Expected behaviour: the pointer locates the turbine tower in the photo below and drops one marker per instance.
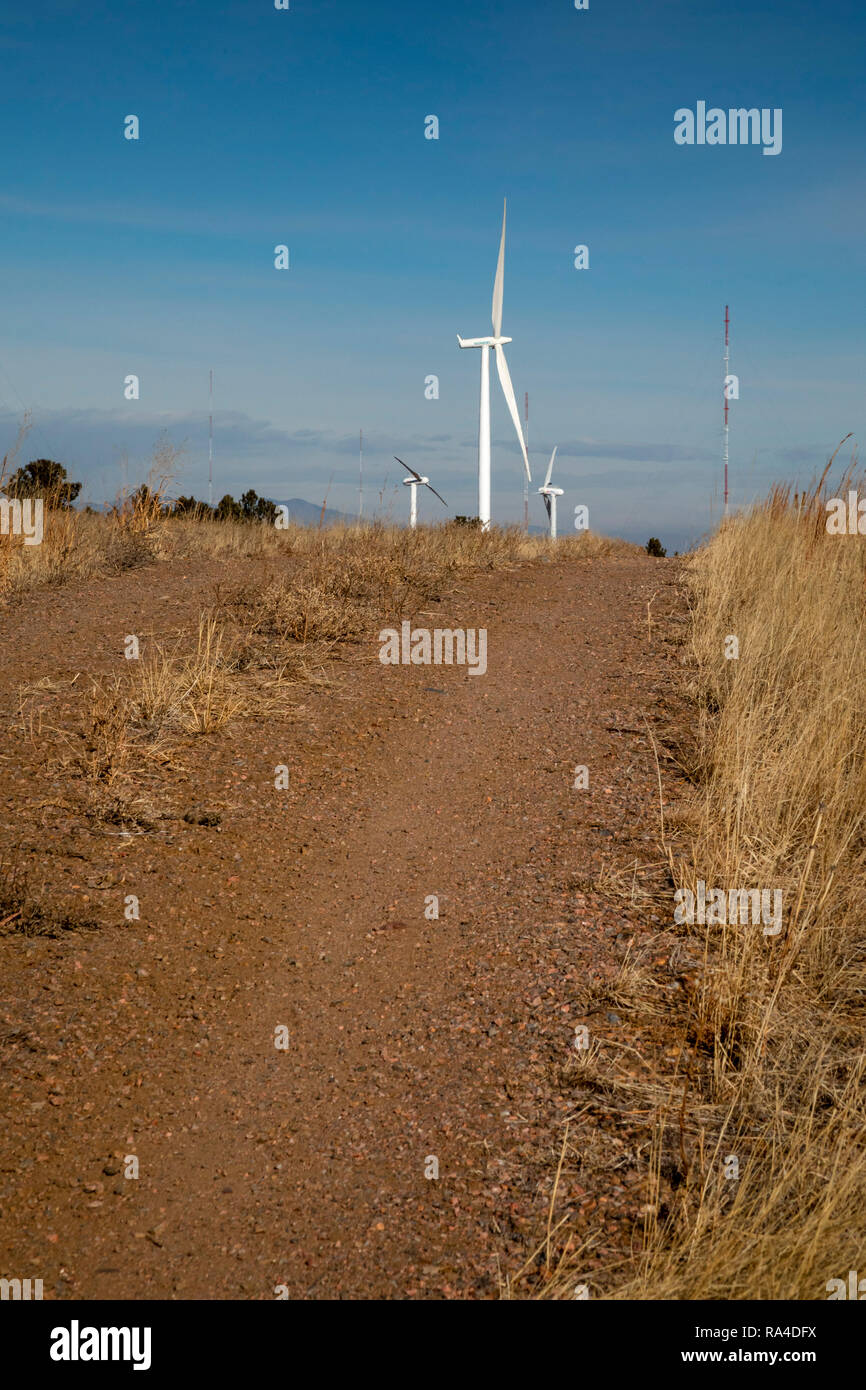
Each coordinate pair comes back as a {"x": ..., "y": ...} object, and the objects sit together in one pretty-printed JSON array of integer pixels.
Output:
[
  {"x": 413, "y": 484},
  {"x": 525, "y": 479},
  {"x": 550, "y": 495},
  {"x": 497, "y": 342}
]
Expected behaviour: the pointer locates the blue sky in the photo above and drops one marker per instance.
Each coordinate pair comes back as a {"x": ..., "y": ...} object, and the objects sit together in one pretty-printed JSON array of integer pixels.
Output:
[{"x": 306, "y": 127}]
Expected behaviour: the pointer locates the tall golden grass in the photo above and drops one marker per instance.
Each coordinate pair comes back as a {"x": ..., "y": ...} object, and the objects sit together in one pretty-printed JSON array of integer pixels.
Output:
[
  {"x": 778, "y": 1021},
  {"x": 755, "y": 1178},
  {"x": 772, "y": 1069}
]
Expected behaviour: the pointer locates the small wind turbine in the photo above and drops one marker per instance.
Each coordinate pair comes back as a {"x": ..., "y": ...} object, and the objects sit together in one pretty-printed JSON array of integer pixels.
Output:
[
  {"x": 413, "y": 484},
  {"x": 485, "y": 344},
  {"x": 550, "y": 495}
]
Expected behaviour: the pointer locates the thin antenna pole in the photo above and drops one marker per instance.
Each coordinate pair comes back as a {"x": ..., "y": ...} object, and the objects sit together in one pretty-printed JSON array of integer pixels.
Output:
[
  {"x": 525, "y": 479},
  {"x": 210, "y": 447},
  {"x": 725, "y": 435},
  {"x": 360, "y": 474}
]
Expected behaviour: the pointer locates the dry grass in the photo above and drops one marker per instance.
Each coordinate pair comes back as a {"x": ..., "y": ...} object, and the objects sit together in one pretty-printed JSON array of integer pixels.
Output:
[
  {"x": 347, "y": 579},
  {"x": 190, "y": 692},
  {"x": 316, "y": 592},
  {"x": 83, "y": 545},
  {"x": 772, "y": 1065},
  {"x": 133, "y": 720},
  {"x": 777, "y": 1021},
  {"x": 136, "y": 531}
]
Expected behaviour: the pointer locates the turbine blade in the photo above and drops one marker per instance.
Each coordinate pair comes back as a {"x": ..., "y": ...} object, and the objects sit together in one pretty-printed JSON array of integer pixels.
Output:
[
  {"x": 436, "y": 494},
  {"x": 546, "y": 503},
  {"x": 406, "y": 466},
  {"x": 508, "y": 392},
  {"x": 498, "y": 282},
  {"x": 550, "y": 466}
]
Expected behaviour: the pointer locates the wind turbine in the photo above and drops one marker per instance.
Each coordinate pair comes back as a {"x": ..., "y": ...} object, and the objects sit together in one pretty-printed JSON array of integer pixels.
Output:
[
  {"x": 496, "y": 342},
  {"x": 414, "y": 482},
  {"x": 550, "y": 495}
]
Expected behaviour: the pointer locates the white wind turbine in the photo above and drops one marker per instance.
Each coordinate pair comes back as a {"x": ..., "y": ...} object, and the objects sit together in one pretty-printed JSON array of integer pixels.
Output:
[
  {"x": 550, "y": 495},
  {"x": 413, "y": 484},
  {"x": 485, "y": 344}
]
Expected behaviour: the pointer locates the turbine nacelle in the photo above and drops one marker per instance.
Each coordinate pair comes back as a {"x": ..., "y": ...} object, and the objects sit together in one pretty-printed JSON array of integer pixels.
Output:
[
  {"x": 551, "y": 491},
  {"x": 482, "y": 342},
  {"x": 413, "y": 482}
]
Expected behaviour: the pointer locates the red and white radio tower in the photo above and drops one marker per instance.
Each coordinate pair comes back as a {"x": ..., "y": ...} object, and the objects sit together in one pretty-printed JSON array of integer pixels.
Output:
[{"x": 725, "y": 435}]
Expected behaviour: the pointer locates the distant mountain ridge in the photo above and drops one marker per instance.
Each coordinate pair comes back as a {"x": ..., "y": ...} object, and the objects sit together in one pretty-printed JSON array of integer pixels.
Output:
[{"x": 309, "y": 513}]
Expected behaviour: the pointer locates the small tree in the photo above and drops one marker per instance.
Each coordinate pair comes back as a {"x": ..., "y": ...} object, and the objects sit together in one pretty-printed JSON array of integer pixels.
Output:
[
  {"x": 255, "y": 508},
  {"x": 655, "y": 547},
  {"x": 43, "y": 478},
  {"x": 228, "y": 509},
  {"x": 248, "y": 504},
  {"x": 190, "y": 506}
]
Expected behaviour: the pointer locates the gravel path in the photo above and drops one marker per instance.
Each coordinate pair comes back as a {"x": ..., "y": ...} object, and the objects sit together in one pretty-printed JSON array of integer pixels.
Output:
[{"x": 411, "y": 1037}]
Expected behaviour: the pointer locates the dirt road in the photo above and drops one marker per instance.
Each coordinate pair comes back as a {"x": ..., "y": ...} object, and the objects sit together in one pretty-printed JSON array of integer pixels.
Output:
[{"x": 416, "y": 1044}]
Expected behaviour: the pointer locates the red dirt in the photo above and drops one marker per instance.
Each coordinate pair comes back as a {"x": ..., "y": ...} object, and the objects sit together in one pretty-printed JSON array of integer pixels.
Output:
[{"x": 408, "y": 1037}]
